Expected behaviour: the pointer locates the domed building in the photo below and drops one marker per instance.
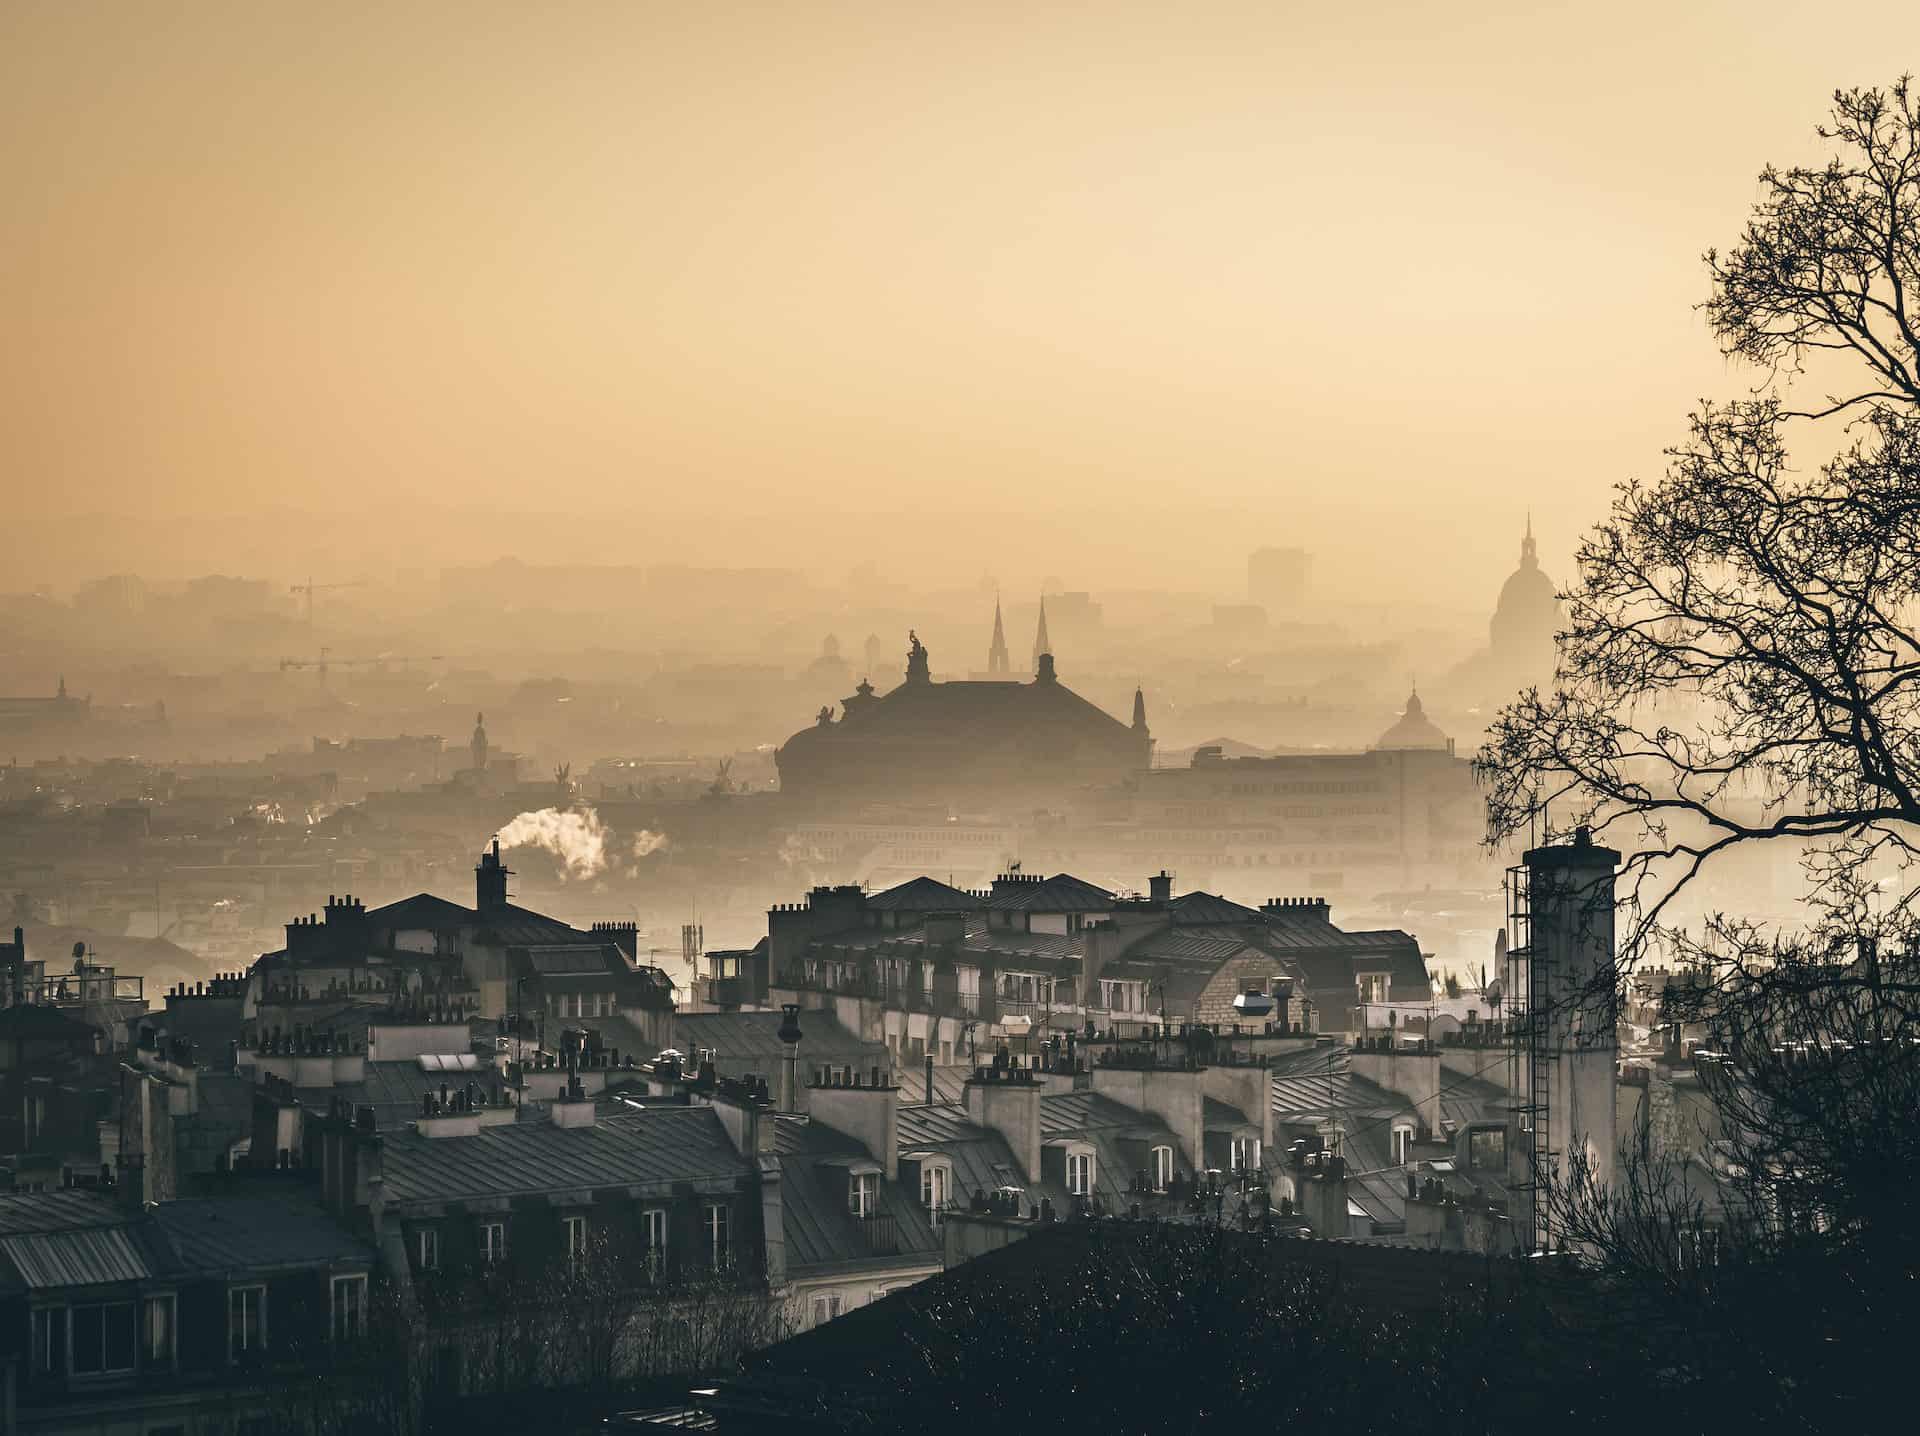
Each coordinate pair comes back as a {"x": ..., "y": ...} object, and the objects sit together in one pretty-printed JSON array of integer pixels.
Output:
[
  {"x": 1520, "y": 651},
  {"x": 1528, "y": 614},
  {"x": 962, "y": 742},
  {"x": 1414, "y": 731}
]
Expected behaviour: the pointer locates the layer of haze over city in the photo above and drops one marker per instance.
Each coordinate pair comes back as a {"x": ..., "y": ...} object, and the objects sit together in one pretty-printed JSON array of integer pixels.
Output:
[
  {"x": 982, "y": 294},
  {"x": 822, "y": 716}
]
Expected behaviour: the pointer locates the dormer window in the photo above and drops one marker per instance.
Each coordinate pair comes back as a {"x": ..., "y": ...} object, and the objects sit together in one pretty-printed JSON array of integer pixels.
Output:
[
  {"x": 1162, "y": 1168},
  {"x": 1373, "y": 988},
  {"x": 1402, "y": 1143},
  {"x": 1245, "y": 1153},
  {"x": 1080, "y": 1173},
  {"x": 863, "y": 1193}
]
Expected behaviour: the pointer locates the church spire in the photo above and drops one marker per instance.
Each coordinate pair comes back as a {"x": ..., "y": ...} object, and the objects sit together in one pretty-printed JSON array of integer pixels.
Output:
[
  {"x": 1139, "y": 711},
  {"x": 998, "y": 664},
  {"x": 1041, "y": 643},
  {"x": 1529, "y": 555}
]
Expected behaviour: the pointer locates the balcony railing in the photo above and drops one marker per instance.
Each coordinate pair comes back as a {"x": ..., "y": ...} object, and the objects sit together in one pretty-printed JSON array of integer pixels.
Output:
[
  {"x": 881, "y": 1233},
  {"x": 77, "y": 990}
]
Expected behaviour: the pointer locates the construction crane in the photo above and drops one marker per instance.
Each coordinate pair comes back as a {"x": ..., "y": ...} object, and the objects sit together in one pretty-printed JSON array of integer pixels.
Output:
[
  {"x": 326, "y": 660},
  {"x": 310, "y": 588}
]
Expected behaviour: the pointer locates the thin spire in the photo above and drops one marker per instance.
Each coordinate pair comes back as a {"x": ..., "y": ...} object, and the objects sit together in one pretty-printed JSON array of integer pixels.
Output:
[
  {"x": 997, "y": 660},
  {"x": 1041, "y": 643}
]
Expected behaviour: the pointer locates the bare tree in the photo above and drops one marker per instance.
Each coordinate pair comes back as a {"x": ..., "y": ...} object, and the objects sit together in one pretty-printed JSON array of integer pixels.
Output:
[
  {"x": 1741, "y": 668},
  {"x": 1740, "y": 661}
]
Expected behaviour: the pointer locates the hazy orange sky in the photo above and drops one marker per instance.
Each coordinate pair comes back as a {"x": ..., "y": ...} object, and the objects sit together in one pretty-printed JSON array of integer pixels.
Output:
[{"x": 1106, "y": 291}]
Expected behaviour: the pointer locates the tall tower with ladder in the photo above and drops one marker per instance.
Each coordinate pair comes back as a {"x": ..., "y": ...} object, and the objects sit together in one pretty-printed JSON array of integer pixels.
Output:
[{"x": 1562, "y": 1012}]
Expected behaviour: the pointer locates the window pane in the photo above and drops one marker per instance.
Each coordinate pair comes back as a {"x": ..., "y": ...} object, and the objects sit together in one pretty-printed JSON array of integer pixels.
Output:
[
  {"x": 86, "y": 1339},
  {"x": 159, "y": 1332}
]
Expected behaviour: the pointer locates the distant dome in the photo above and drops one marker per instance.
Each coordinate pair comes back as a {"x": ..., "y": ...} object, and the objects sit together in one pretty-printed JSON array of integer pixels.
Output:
[
  {"x": 1414, "y": 730},
  {"x": 1528, "y": 614}
]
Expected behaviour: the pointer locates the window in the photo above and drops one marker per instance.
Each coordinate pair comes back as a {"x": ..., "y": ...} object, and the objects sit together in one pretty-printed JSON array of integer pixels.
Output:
[
  {"x": 1246, "y": 1153},
  {"x": 719, "y": 1235},
  {"x": 1487, "y": 1150},
  {"x": 863, "y": 1193},
  {"x": 157, "y": 1329},
  {"x": 493, "y": 1242},
  {"x": 427, "y": 1248},
  {"x": 1372, "y": 986},
  {"x": 349, "y": 1308},
  {"x": 246, "y": 1321},
  {"x": 1080, "y": 1173},
  {"x": 1402, "y": 1145},
  {"x": 49, "y": 1339},
  {"x": 102, "y": 1338},
  {"x": 826, "y": 1306},
  {"x": 653, "y": 1238},
  {"x": 575, "y": 1230},
  {"x": 933, "y": 1190},
  {"x": 1162, "y": 1168}
]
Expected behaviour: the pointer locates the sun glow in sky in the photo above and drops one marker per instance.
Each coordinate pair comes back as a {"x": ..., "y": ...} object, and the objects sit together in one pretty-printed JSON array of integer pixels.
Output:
[{"x": 1095, "y": 290}]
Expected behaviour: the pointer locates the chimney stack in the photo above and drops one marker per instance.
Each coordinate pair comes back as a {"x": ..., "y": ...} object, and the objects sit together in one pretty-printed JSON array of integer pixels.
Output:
[{"x": 490, "y": 880}]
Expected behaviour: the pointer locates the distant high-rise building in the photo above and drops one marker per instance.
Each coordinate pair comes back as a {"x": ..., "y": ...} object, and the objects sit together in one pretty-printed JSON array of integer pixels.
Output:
[{"x": 1277, "y": 578}]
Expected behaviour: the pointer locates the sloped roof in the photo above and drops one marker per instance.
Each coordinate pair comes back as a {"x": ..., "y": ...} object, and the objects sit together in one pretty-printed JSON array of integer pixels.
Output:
[
  {"x": 88, "y": 1257},
  {"x": 659, "y": 1146},
  {"x": 746, "y": 1037},
  {"x": 216, "y": 1235},
  {"x": 395, "y": 1089},
  {"x": 1218, "y": 1116},
  {"x": 980, "y": 939},
  {"x": 1062, "y": 892},
  {"x": 1198, "y": 908},
  {"x": 35, "y": 1022},
  {"x": 1062, "y": 1114},
  {"x": 64, "y": 1210},
  {"x": 422, "y": 910},
  {"x": 819, "y": 1229},
  {"x": 923, "y": 894}
]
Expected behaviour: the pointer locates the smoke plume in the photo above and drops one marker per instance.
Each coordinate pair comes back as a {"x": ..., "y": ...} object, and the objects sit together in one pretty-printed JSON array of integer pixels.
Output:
[
  {"x": 577, "y": 837},
  {"x": 574, "y": 835}
]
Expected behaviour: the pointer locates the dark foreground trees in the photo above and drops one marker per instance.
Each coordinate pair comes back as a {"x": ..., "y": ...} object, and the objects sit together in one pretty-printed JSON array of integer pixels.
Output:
[
  {"x": 1741, "y": 671},
  {"x": 493, "y": 1353}
]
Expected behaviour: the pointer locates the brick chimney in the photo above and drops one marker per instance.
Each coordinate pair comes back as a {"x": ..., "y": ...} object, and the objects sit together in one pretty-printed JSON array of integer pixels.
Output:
[{"x": 1160, "y": 886}]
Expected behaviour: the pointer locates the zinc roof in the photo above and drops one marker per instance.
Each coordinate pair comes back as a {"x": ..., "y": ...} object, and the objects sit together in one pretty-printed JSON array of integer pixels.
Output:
[
  {"x": 76, "y": 1258},
  {"x": 56, "y": 1211},
  {"x": 254, "y": 1234},
  {"x": 656, "y": 1147}
]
